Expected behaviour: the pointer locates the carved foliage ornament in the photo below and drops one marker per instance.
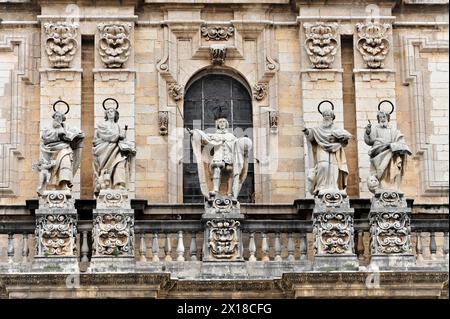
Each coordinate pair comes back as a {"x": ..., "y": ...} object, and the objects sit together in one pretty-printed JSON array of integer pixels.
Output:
[
  {"x": 373, "y": 43},
  {"x": 223, "y": 239},
  {"x": 163, "y": 119},
  {"x": 114, "y": 43},
  {"x": 175, "y": 91},
  {"x": 321, "y": 43},
  {"x": 260, "y": 91},
  {"x": 217, "y": 33},
  {"x": 389, "y": 233},
  {"x": 218, "y": 54},
  {"x": 56, "y": 233},
  {"x": 273, "y": 121},
  {"x": 61, "y": 44},
  {"x": 113, "y": 234},
  {"x": 332, "y": 231}
]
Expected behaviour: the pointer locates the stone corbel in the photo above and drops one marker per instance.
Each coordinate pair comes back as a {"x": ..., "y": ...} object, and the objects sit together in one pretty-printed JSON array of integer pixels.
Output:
[
  {"x": 163, "y": 121},
  {"x": 373, "y": 43},
  {"x": 61, "y": 44},
  {"x": 321, "y": 43},
  {"x": 218, "y": 54},
  {"x": 273, "y": 121},
  {"x": 114, "y": 44},
  {"x": 260, "y": 91},
  {"x": 175, "y": 91}
]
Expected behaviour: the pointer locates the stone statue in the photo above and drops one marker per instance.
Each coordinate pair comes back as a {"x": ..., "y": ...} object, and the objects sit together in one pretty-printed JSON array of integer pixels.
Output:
[
  {"x": 328, "y": 165},
  {"x": 388, "y": 153},
  {"x": 112, "y": 152},
  {"x": 222, "y": 159},
  {"x": 60, "y": 153}
]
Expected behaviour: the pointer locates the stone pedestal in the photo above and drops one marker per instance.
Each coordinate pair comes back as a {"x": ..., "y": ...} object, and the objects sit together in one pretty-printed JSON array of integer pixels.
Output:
[
  {"x": 390, "y": 231},
  {"x": 333, "y": 232},
  {"x": 56, "y": 231},
  {"x": 223, "y": 236},
  {"x": 113, "y": 233}
]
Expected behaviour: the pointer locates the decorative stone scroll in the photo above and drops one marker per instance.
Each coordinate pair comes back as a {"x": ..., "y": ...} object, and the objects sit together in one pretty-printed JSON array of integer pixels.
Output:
[
  {"x": 373, "y": 43},
  {"x": 61, "y": 44},
  {"x": 321, "y": 43},
  {"x": 163, "y": 121},
  {"x": 175, "y": 91},
  {"x": 223, "y": 238},
  {"x": 218, "y": 53},
  {"x": 260, "y": 90},
  {"x": 217, "y": 33},
  {"x": 114, "y": 44}
]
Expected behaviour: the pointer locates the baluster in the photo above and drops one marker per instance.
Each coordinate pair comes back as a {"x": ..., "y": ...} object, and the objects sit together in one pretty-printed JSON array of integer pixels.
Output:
[
  {"x": 168, "y": 249},
  {"x": 252, "y": 247},
  {"x": 25, "y": 249},
  {"x": 85, "y": 247},
  {"x": 303, "y": 247},
  {"x": 419, "y": 246},
  {"x": 360, "y": 245},
  {"x": 433, "y": 247},
  {"x": 10, "y": 250},
  {"x": 193, "y": 247},
  {"x": 155, "y": 247},
  {"x": 290, "y": 248},
  {"x": 265, "y": 247},
  {"x": 180, "y": 247},
  {"x": 277, "y": 247},
  {"x": 142, "y": 248},
  {"x": 445, "y": 250}
]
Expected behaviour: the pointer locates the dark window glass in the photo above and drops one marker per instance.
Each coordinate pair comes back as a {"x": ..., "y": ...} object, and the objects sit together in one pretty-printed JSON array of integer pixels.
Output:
[{"x": 199, "y": 101}]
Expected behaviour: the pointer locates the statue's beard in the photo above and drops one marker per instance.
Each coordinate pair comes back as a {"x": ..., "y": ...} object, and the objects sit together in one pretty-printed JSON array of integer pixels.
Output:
[
  {"x": 384, "y": 124},
  {"x": 56, "y": 124},
  {"x": 327, "y": 123}
]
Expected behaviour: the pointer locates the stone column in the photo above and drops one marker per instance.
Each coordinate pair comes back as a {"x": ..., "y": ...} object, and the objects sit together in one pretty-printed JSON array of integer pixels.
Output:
[
  {"x": 113, "y": 233},
  {"x": 390, "y": 231},
  {"x": 333, "y": 233},
  {"x": 56, "y": 231}
]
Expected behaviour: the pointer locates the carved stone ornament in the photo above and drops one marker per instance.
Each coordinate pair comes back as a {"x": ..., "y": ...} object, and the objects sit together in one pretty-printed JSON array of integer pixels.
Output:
[
  {"x": 175, "y": 91},
  {"x": 373, "y": 43},
  {"x": 61, "y": 44},
  {"x": 321, "y": 43},
  {"x": 223, "y": 238},
  {"x": 114, "y": 44},
  {"x": 56, "y": 200},
  {"x": 260, "y": 91},
  {"x": 273, "y": 121},
  {"x": 217, "y": 33},
  {"x": 218, "y": 53},
  {"x": 56, "y": 234},
  {"x": 333, "y": 225},
  {"x": 220, "y": 205},
  {"x": 163, "y": 121},
  {"x": 113, "y": 234},
  {"x": 111, "y": 198}
]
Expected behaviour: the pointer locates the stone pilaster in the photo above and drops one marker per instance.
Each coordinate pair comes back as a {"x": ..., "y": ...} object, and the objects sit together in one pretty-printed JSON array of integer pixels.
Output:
[
  {"x": 333, "y": 233},
  {"x": 56, "y": 231}
]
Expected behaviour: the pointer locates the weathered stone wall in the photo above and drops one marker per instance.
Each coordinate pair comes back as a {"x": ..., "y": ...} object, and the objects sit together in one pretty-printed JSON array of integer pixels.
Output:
[{"x": 266, "y": 49}]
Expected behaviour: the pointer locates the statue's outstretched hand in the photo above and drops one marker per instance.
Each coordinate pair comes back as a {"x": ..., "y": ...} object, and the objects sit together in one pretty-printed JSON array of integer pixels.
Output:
[{"x": 368, "y": 128}]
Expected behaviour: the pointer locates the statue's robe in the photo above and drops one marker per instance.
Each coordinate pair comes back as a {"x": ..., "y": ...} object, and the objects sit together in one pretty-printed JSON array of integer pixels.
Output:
[
  {"x": 224, "y": 150},
  {"x": 65, "y": 152},
  {"x": 326, "y": 157},
  {"x": 111, "y": 156},
  {"x": 387, "y": 155}
]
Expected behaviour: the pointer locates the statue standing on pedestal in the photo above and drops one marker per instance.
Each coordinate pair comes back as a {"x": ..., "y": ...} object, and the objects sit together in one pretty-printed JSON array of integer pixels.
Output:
[
  {"x": 328, "y": 165},
  {"x": 388, "y": 153},
  {"x": 112, "y": 152},
  {"x": 222, "y": 159},
  {"x": 60, "y": 153}
]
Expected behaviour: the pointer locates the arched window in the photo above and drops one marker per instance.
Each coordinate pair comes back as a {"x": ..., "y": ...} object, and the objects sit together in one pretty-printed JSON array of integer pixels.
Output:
[{"x": 201, "y": 96}]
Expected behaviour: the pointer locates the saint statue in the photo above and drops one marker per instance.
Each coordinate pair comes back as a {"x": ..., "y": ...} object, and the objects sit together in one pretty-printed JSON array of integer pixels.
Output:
[
  {"x": 388, "y": 153},
  {"x": 60, "y": 153},
  {"x": 326, "y": 156},
  {"x": 112, "y": 152},
  {"x": 222, "y": 159}
]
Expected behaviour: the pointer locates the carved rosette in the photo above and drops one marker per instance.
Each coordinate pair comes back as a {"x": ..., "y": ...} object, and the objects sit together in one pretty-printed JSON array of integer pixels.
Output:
[
  {"x": 114, "y": 44},
  {"x": 56, "y": 234},
  {"x": 218, "y": 54},
  {"x": 61, "y": 44},
  {"x": 389, "y": 221},
  {"x": 113, "y": 234},
  {"x": 373, "y": 43},
  {"x": 217, "y": 33},
  {"x": 223, "y": 238},
  {"x": 321, "y": 43},
  {"x": 260, "y": 91},
  {"x": 175, "y": 91},
  {"x": 163, "y": 121}
]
